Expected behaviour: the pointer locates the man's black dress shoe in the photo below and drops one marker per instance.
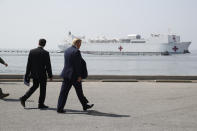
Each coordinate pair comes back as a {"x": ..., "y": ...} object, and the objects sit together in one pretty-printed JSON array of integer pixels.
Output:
[
  {"x": 87, "y": 107},
  {"x": 42, "y": 106},
  {"x": 22, "y": 101},
  {"x": 3, "y": 95},
  {"x": 61, "y": 111}
]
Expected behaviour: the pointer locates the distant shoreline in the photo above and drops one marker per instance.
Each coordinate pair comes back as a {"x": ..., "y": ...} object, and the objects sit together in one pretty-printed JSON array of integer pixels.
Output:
[{"x": 18, "y": 51}]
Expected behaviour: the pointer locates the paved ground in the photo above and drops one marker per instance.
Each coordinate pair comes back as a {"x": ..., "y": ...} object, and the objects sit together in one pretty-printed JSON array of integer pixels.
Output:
[{"x": 141, "y": 106}]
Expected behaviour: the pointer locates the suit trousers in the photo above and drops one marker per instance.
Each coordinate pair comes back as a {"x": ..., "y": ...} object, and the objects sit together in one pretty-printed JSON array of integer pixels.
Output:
[
  {"x": 66, "y": 86},
  {"x": 36, "y": 83},
  {"x": 1, "y": 92}
]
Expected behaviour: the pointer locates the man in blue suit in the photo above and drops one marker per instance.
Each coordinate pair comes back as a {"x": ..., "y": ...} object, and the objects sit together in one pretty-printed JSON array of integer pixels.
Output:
[{"x": 72, "y": 73}]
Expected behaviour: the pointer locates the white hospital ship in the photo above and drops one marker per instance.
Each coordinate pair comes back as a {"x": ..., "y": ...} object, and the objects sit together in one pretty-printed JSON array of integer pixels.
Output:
[{"x": 133, "y": 44}]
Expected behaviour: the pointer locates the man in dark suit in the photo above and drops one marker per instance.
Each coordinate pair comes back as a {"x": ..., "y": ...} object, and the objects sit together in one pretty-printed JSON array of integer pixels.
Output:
[
  {"x": 73, "y": 72},
  {"x": 38, "y": 66},
  {"x": 2, "y": 95}
]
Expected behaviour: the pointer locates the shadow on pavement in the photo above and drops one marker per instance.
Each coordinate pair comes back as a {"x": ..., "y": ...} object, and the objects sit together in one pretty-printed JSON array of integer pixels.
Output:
[
  {"x": 98, "y": 113},
  {"x": 88, "y": 112},
  {"x": 14, "y": 100},
  {"x": 32, "y": 108},
  {"x": 8, "y": 83}
]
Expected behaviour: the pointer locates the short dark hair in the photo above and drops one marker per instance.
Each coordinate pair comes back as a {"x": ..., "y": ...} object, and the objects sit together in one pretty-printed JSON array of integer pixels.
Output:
[{"x": 42, "y": 42}]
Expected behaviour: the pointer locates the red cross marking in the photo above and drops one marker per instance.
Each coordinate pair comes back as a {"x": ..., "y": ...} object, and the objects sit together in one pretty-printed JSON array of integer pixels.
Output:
[
  {"x": 120, "y": 48},
  {"x": 175, "y": 48},
  {"x": 174, "y": 38}
]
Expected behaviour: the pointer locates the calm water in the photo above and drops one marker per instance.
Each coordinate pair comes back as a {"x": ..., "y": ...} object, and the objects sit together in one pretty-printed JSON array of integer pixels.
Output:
[{"x": 185, "y": 64}]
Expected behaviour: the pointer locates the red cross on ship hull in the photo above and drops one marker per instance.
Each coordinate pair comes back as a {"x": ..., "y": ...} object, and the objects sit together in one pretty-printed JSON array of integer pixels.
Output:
[
  {"x": 175, "y": 48},
  {"x": 120, "y": 48}
]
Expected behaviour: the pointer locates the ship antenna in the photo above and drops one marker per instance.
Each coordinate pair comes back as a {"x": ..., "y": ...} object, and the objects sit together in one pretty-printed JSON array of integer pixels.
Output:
[
  {"x": 169, "y": 31},
  {"x": 69, "y": 33}
]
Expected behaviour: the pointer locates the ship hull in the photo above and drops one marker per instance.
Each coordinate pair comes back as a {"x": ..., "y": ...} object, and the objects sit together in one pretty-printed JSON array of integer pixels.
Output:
[{"x": 135, "y": 49}]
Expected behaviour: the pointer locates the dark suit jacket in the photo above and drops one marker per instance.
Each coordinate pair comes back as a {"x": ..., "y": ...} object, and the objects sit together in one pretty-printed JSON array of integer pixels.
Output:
[
  {"x": 2, "y": 61},
  {"x": 73, "y": 67},
  {"x": 39, "y": 64},
  {"x": 84, "y": 73}
]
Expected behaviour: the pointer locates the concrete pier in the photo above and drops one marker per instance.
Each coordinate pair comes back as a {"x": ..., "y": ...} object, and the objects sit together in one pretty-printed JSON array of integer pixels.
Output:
[
  {"x": 125, "y": 106},
  {"x": 111, "y": 78}
]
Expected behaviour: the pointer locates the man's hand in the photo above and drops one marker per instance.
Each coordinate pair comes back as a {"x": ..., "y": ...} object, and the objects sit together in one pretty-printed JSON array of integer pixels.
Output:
[
  {"x": 79, "y": 79},
  {"x": 6, "y": 64}
]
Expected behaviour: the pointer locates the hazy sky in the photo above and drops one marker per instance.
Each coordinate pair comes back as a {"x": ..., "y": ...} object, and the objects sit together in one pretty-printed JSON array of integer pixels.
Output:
[{"x": 23, "y": 22}]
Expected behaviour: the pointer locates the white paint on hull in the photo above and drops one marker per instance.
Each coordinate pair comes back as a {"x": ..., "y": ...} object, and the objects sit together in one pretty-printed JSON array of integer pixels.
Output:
[{"x": 138, "y": 47}]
